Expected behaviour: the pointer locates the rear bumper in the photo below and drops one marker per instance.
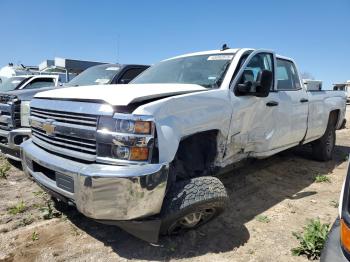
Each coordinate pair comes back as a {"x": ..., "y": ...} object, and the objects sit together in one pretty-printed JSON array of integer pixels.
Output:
[
  {"x": 10, "y": 142},
  {"x": 333, "y": 252},
  {"x": 102, "y": 192}
]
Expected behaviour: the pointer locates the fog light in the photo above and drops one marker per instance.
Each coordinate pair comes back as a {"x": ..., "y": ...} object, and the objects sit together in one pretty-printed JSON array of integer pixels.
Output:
[{"x": 121, "y": 152}]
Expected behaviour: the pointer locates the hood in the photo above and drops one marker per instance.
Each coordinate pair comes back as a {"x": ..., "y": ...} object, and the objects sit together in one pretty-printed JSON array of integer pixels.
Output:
[
  {"x": 120, "y": 95},
  {"x": 25, "y": 94}
]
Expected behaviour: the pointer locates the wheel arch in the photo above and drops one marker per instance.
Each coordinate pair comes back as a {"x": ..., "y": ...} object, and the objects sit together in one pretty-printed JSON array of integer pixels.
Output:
[
  {"x": 334, "y": 117},
  {"x": 197, "y": 154}
]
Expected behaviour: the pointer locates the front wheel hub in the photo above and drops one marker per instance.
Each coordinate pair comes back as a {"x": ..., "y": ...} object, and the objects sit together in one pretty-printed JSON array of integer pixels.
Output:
[{"x": 192, "y": 220}]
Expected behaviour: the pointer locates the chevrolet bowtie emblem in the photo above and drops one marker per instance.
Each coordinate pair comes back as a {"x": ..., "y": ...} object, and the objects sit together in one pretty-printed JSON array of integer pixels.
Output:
[{"x": 49, "y": 127}]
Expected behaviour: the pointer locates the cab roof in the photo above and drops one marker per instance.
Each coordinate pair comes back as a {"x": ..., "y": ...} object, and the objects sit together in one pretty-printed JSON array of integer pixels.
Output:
[{"x": 226, "y": 51}]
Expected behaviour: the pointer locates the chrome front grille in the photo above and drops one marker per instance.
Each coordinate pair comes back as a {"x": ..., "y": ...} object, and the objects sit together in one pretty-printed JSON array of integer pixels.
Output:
[
  {"x": 82, "y": 145},
  {"x": 10, "y": 116},
  {"x": 9, "y": 112},
  {"x": 65, "y": 117},
  {"x": 65, "y": 133}
]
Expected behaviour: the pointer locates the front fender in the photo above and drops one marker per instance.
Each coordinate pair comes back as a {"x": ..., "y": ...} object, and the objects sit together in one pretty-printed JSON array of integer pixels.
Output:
[{"x": 180, "y": 116}]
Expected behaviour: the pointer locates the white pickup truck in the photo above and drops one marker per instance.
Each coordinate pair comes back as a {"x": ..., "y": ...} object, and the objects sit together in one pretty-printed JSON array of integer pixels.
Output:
[{"x": 142, "y": 156}]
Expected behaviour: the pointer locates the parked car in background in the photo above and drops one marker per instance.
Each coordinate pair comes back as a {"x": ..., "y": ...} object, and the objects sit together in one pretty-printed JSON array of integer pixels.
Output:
[
  {"x": 16, "y": 93},
  {"x": 14, "y": 114},
  {"x": 107, "y": 74},
  {"x": 28, "y": 82},
  {"x": 142, "y": 156},
  {"x": 337, "y": 247}
]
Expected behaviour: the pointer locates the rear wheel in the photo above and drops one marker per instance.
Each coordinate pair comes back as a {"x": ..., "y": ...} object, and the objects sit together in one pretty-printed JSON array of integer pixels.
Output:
[
  {"x": 192, "y": 203},
  {"x": 323, "y": 148}
]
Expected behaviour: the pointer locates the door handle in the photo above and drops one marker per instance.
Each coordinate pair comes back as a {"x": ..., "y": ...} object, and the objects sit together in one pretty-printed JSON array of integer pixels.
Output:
[
  {"x": 304, "y": 100},
  {"x": 272, "y": 103}
]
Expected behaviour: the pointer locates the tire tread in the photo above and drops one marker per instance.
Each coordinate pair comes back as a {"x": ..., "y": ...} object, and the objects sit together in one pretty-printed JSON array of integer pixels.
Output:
[{"x": 186, "y": 195}]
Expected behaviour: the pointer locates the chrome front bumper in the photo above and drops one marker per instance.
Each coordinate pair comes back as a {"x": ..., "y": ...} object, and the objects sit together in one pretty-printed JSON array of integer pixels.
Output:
[
  {"x": 10, "y": 142},
  {"x": 104, "y": 192}
]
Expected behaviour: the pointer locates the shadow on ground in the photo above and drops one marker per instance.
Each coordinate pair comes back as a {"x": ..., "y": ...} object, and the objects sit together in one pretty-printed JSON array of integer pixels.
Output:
[
  {"x": 16, "y": 164},
  {"x": 253, "y": 187}
]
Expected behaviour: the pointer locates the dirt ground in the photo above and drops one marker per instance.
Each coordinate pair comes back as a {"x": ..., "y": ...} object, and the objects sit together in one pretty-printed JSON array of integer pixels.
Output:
[{"x": 282, "y": 188}]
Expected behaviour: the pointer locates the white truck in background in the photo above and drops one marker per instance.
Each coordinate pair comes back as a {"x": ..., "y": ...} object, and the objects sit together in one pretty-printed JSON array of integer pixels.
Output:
[
  {"x": 22, "y": 82},
  {"x": 142, "y": 156},
  {"x": 343, "y": 87}
]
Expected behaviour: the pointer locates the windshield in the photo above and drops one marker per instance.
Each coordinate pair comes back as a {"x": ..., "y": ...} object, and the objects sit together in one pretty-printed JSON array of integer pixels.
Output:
[
  {"x": 96, "y": 75},
  {"x": 205, "y": 70},
  {"x": 11, "y": 83}
]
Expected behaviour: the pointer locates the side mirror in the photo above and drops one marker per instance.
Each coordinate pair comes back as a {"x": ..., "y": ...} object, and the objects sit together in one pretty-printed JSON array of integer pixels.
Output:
[
  {"x": 245, "y": 88},
  {"x": 264, "y": 83}
]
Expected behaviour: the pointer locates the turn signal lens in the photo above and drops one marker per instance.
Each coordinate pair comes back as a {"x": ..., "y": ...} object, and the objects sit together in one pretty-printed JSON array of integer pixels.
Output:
[
  {"x": 139, "y": 153},
  {"x": 345, "y": 235},
  {"x": 142, "y": 127},
  {"x": 131, "y": 126}
]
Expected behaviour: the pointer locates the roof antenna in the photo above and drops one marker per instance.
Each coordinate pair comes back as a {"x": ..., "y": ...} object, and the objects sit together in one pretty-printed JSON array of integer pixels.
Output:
[{"x": 224, "y": 47}]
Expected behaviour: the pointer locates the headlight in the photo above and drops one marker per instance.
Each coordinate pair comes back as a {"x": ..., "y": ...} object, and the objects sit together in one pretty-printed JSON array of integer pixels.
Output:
[
  {"x": 131, "y": 126},
  {"x": 126, "y": 138},
  {"x": 130, "y": 153},
  {"x": 25, "y": 112}
]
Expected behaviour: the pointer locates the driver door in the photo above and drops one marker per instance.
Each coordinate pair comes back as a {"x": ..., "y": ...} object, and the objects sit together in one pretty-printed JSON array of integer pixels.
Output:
[{"x": 257, "y": 122}]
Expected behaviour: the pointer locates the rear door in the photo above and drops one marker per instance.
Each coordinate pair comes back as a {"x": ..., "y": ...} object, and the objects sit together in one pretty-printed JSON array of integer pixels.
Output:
[{"x": 293, "y": 102}]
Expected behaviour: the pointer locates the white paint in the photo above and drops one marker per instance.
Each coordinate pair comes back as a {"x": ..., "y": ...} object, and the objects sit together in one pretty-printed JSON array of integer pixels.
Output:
[
  {"x": 247, "y": 127},
  {"x": 121, "y": 95}
]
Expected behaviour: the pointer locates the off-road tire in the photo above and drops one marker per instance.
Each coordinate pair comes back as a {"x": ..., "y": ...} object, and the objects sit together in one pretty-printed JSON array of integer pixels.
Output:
[
  {"x": 323, "y": 148},
  {"x": 186, "y": 197}
]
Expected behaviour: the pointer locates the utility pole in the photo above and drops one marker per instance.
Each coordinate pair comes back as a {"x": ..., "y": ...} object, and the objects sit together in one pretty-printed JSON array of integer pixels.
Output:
[{"x": 118, "y": 47}]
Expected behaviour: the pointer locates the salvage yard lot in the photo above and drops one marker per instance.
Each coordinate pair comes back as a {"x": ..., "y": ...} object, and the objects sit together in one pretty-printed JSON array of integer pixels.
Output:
[{"x": 270, "y": 199}]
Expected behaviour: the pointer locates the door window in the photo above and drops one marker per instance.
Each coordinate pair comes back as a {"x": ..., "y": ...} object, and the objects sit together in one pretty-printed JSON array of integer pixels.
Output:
[
  {"x": 40, "y": 82},
  {"x": 259, "y": 63},
  {"x": 287, "y": 75},
  {"x": 129, "y": 75}
]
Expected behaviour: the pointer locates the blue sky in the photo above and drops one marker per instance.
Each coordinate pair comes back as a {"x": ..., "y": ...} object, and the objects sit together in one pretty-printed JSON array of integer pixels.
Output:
[{"x": 315, "y": 33}]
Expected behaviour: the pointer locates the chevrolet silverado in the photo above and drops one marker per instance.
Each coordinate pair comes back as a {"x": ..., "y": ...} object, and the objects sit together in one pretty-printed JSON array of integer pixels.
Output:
[{"x": 143, "y": 156}]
